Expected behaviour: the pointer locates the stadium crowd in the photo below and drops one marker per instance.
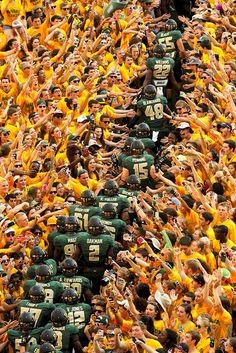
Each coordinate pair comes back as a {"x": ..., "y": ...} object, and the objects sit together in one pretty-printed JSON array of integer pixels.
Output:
[{"x": 117, "y": 176}]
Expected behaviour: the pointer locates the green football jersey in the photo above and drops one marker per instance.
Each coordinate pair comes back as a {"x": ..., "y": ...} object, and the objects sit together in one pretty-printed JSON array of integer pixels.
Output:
[
  {"x": 116, "y": 227},
  {"x": 120, "y": 202},
  {"x": 64, "y": 335},
  {"x": 83, "y": 214},
  {"x": 129, "y": 194},
  {"x": 121, "y": 158},
  {"x": 36, "y": 347},
  {"x": 140, "y": 166},
  {"x": 94, "y": 249},
  {"x": 161, "y": 68},
  {"x": 148, "y": 142},
  {"x": 40, "y": 311},
  {"x": 17, "y": 337},
  {"x": 168, "y": 40},
  {"x": 78, "y": 314},
  {"x": 64, "y": 244},
  {"x": 78, "y": 283},
  {"x": 31, "y": 273},
  {"x": 152, "y": 112},
  {"x": 53, "y": 290}
]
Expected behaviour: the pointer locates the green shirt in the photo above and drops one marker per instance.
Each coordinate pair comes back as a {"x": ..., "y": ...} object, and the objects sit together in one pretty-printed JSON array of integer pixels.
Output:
[
  {"x": 31, "y": 273},
  {"x": 64, "y": 335},
  {"x": 36, "y": 347},
  {"x": 161, "y": 68},
  {"x": 53, "y": 290},
  {"x": 83, "y": 214},
  {"x": 15, "y": 338},
  {"x": 94, "y": 249},
  {"x": 120, "y": 202},
  {"x": 116, "y": 227},
  {"x": 78, "y": 283},
  {"x": 40, "y": 311},
  {"x": 152, "y": 112},
  {"x": 65, "y": 244},
  {"x": 78, "y": 314},
  {"x": 168, "y": 40},
  {"x": 129, "y": 194},
  {"x": 140, "y": 166}
]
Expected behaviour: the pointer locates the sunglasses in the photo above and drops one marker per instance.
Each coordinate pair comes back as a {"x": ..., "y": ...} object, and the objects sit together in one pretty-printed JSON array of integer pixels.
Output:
[
  {"x": 204, "y": 77},
  {"x": 53, "y": 7},
  {"x": 18, "y": 165},
  {"x": 75, "y": 81},
  {"x": 5, "y": 262},
  {"x": 106, "y": 121},
  {"x": 198, "y": 111},
  {"x": 187, "y": 302},
  {"x": 198, "y": 326},
  {"x": 53, "y": 192},
  {"x": 76, "y": 91},
  {"x": 98, "y": 311},
  {"x": 113, "y": 76},
  {"x": 10, "y": 234},
  {"x": 38, "y": 233},
  {"x": 65, "y": 8},
  {"x": 42, "y": 106},
  {"x": 6, "y": 134}
]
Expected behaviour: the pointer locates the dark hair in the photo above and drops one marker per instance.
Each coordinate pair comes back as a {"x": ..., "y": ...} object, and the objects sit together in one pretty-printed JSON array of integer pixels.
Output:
[
  {"x": 218, "y": 188},
  {"x": 204, "y": 107},
  {"x": 148, "y": 322},
  {"x": 231, "y": 144},
  {"x": 208, "y": 217},
  {"x": 143, "y": 290},
  {"x": 195, "y": 336},
  {"x": 185, "y": 241}
]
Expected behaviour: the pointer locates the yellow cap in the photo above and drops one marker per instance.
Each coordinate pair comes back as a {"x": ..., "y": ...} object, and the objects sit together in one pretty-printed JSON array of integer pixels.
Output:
[{"x": 52, "y": 221}]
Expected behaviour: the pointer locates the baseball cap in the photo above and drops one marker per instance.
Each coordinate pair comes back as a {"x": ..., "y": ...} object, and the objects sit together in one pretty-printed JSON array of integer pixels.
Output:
[
  {"x": 102, "y": 319},
  {"x": 52, "y": 221},
  {"x": 225, "y": 273},
  {"x": 225, "y": 125},
  {"x": 182, "y": 347},
  {"x": 162, "y": 299},
  {"x": 183, "y": 126},
  {"x": 9, "y": 230},
  {"x": 73, "y": 137},
  {"x": 82, "y": 118},
  {"x": 155, "y": 243},
  {"x": 41, "y": 101},
  {"x": 193, "y": 61},
  {"x": 72, "y": 78}
]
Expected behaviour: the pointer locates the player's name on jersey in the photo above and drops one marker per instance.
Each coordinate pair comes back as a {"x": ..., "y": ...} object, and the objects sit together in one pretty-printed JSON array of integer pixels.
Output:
[
  {"x": 71, "y": 280},
  {"x": 138, "y": 159},
  {"x": 76, "y": 308},
  {"x": 155, "y": 101},
  {"x": 72, "y": 240},
  {"x": 79, "y": 210},
  {"x": 94, "y": 241}
]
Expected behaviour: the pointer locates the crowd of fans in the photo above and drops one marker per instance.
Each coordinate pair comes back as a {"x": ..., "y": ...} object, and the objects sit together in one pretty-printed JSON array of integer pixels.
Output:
[{"x": 117, "y": 176}]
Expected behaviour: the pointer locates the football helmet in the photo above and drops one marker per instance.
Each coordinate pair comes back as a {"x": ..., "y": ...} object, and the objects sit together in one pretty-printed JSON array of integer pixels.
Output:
[
  {"x": 37, "y": 294},
  {"x": 59, "y": 317},
  {"x": 110, "y": 188},
  {"x": 87, "y": 198},
  {"x": 95, "y": 226},
  {"x": 69, "y": 267},
  {"x": 109, "y": 211},
  {"x": 70, "y": 296}
]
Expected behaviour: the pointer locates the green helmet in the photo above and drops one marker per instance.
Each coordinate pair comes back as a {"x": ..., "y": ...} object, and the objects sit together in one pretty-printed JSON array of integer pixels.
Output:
[{"x": 170, "y": 25}]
